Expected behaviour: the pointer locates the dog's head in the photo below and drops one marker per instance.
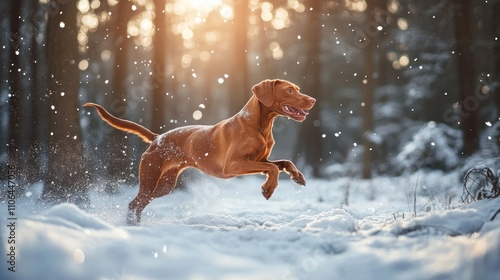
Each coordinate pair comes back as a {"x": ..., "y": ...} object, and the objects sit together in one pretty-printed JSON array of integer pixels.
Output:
[{"x": 284, "y": 98}]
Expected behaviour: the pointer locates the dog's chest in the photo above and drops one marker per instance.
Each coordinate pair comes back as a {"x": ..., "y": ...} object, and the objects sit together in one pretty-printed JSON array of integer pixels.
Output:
[{"x": 263, "y": 149}]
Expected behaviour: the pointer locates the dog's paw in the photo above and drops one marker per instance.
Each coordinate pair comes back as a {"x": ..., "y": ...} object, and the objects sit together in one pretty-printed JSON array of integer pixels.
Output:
[
  {"x": 132, "y": 219},
  {"x": 266, "y": 193},
  {"x": 297, "y": 177},
  {"x": 301, "y": 181}
]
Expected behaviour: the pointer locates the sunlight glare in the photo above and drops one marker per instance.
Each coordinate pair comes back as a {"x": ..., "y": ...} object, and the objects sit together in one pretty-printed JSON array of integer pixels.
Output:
[
  {"x": 296, "y": 5},
  {"x": 83, "y": 6},
  {"x": 186, "y": 60},
  {"x": 197, "y": 115},
  {"x": 393, "y": 6},
  {"x": 204, "y": 56},
  {"x": 146, "y": 24},
  {"x": 226, "y": 11},
  {"x": 142, "y": 28},
  {"x": 402, "y": 24},
  {"x": 356, "y": 5},
  {"x": 95, "y": 4},
  {"x": 281, "y": 19},
  {"x": 404, "y": 60},
  {"x": 204, "y": 7},
  {"x": 266, "y": 11},
  {"x": 187, "y": 34}
]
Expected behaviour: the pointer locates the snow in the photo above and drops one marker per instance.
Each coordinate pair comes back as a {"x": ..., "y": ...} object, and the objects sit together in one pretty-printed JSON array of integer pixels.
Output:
[
  {"x": 435, "y": 145},
  {"x": 225, "y": 229}
]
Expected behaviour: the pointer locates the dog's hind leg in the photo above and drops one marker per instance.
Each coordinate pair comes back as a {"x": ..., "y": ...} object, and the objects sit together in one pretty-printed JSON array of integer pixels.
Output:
[
  {"x": 167, "y": 182},
  {"x": 149, "y": 173},
  {"x": 135, "y": 208}
]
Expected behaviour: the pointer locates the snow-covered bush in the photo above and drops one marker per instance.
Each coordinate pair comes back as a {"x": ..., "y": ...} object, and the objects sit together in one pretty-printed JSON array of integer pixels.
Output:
[
  {"x": 490, "y": 139},
  {"x": 435, "y": 146}
]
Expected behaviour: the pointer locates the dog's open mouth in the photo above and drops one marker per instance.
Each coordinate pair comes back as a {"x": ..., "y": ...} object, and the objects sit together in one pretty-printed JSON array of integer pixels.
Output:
[{"x": 295, "y": 113}]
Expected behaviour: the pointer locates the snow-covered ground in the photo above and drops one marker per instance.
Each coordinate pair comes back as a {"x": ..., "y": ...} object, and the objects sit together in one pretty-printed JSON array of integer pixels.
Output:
[{"x": 225, "y": 229}]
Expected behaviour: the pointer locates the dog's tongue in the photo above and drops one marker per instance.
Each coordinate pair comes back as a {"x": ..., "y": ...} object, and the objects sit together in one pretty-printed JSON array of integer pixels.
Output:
[{"x": 296, "y": 111}]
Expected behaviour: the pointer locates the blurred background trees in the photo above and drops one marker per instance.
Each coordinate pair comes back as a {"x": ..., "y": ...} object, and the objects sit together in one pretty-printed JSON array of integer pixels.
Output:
[
  {"x": 67, "y": 177},
  {"x": 402, "y": 85}
]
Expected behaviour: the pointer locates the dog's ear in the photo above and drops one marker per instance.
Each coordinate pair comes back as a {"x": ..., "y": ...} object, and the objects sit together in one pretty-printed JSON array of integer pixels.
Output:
[{"x": 264, "y": 91}]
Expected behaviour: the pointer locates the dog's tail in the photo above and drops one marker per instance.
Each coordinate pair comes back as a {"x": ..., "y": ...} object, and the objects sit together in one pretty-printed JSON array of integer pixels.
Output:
[{"x": 124, "y": 125}]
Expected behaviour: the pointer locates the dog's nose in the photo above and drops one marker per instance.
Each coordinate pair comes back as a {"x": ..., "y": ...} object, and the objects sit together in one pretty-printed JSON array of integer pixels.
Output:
[{"x": 312, "y": 100}]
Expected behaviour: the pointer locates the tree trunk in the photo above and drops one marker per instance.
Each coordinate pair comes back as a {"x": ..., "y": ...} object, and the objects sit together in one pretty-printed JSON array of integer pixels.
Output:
[
  {"x": 310, "y": 145},
  {"x": 34, "y": 153},
  {"x": 466, "y": 76},
  {"x": 367, "y": 97},
  {"x": 21, "y": 125},
  {"x": 159, "y": 78},
  {"x": 4, "y": 76},
  {"x": 67, "y": 179},
  {"x": 117, "y": 162},
  {"x": 496, "y": 34},
  {"x": 15, "y": 84},
  {"x": 367, "y": 113},
  {"x": 239, "y": 80},
  {"x": 371, "y": 36}
]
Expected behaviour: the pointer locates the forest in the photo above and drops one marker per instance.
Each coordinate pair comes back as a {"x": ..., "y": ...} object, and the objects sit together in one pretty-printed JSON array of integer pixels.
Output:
[
  {"x": 401, "y": 151},
  {"x": 400, "y": 85}
]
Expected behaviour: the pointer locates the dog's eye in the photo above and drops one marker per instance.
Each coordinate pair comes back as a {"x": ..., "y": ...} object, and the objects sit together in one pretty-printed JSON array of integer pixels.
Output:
[{"x": 289, "y": 90}]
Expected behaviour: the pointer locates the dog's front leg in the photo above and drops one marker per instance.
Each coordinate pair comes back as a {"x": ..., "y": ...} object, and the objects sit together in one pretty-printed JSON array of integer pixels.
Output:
[
  {"x": 288, "y": 167},
  {"x": 245, "y": 167}
]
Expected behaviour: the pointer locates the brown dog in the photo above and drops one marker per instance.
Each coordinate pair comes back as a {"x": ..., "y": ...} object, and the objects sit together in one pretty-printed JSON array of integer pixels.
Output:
[{"x": 236, "y": 146}]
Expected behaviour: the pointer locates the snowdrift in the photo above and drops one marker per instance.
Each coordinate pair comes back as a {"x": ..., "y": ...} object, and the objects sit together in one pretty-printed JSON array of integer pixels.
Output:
[{"x": 226, "y": 230}]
